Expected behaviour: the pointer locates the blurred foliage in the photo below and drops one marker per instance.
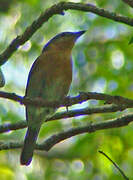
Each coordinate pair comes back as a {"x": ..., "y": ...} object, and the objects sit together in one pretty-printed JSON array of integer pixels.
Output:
[{"x": 102, "y": 62}]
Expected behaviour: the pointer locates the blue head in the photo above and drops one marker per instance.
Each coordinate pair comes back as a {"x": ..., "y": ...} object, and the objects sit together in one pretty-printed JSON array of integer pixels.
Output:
[{"x": 64, "y": 40}]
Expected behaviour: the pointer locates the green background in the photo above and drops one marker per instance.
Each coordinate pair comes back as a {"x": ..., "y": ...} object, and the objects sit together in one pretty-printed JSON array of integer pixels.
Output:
[{"x": 102, "y": 62}]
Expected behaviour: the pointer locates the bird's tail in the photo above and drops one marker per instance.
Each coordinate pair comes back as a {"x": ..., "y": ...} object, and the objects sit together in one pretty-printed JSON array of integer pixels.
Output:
[{"x": 29, "y": 145}]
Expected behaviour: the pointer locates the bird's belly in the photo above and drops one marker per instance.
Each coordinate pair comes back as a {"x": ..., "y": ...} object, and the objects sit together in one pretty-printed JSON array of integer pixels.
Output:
[{"x": 59, "y": 87}]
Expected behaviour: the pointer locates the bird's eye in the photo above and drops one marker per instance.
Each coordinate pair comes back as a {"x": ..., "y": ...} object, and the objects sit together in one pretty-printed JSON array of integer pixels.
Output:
[{"x": 63, "y": 34}]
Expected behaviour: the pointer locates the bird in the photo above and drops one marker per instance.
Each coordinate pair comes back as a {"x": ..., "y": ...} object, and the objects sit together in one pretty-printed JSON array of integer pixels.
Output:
[{"x": 49, "y": 79}]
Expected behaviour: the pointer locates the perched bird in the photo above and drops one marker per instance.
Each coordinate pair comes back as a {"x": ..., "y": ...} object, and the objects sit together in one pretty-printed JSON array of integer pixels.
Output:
[{"x": 49, "y": 78}]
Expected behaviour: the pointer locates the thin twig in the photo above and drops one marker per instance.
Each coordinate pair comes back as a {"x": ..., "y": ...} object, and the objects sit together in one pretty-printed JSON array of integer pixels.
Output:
[{"x": 117, "y": 167}]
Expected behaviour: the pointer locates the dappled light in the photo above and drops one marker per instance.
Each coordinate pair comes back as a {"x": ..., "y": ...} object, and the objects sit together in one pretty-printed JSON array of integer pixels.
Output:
[{"x": 102, "y": 62}]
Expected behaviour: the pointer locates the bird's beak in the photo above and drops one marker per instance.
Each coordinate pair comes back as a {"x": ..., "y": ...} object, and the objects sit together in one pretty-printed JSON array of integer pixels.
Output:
[{"x": 78, "y": 34}]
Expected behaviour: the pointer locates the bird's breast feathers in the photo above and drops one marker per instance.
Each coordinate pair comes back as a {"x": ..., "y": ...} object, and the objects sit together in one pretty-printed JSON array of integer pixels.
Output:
[{"x": 52, "y": 74}]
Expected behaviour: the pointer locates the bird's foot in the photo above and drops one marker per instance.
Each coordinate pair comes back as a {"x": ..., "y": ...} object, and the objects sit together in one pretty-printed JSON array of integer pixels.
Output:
[{"x": 67, "y": 102}]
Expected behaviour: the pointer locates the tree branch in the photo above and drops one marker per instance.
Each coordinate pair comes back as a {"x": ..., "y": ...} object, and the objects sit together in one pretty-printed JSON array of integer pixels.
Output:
[
  {"x": 69, "y": 101},
  {"x": 71, "y": 113},
  {"x": 129, "y": 2},
  {"x": 58, "y": 9},
  {"x": 12, "y": 126},
  {"x": 120, "y": 104},
  {"x": 91, "y": 128}
]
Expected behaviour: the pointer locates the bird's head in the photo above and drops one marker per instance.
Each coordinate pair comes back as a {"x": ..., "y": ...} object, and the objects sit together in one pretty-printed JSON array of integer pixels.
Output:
[{"x": 64, "y": 40}]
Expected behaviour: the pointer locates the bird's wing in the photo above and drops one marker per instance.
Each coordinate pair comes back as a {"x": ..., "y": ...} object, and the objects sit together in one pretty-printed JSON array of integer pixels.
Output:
[
  {"x": 37, "y": 87},
  {"x": 36, "y": 81}
]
